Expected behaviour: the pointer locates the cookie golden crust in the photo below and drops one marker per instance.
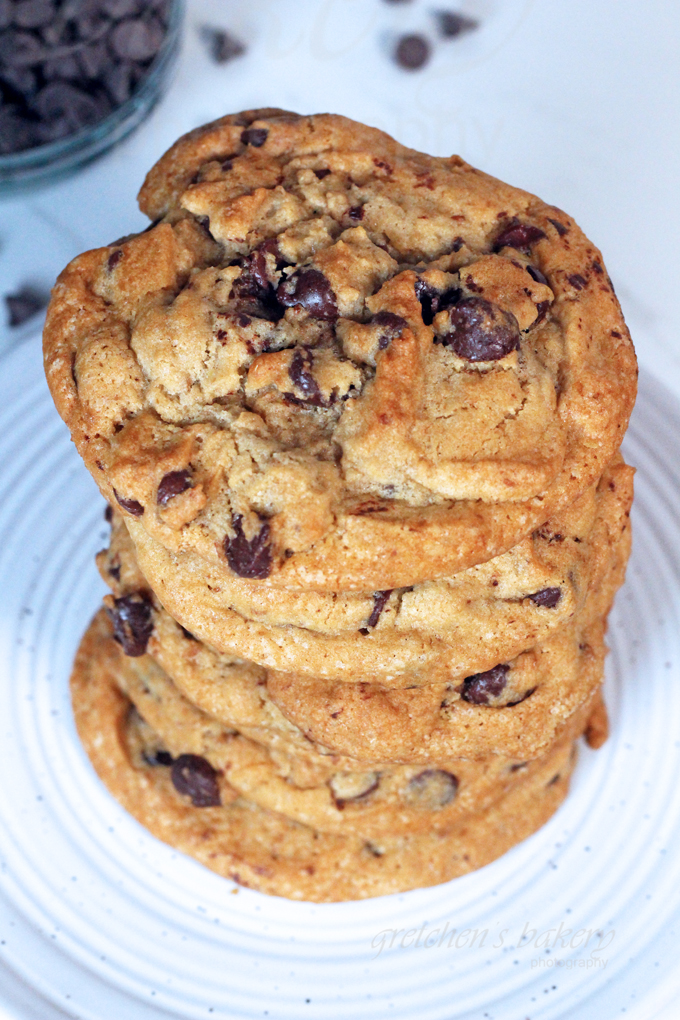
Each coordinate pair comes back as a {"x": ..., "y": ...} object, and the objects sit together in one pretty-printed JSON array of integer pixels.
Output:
[
  {"x": 334, "y": 363},
  {"x": 262, "y": 849},
  {"x": 361, "y": 802},
  {"x": 421, "y": 635}
]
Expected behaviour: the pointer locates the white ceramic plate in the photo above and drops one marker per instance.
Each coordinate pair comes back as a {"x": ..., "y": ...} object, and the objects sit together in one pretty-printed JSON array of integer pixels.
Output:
[{"x": 99, "y": 920}]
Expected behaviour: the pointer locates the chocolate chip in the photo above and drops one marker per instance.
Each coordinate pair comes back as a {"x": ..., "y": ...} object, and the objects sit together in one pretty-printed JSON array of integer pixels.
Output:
[
  {"x": 221, "y": 45},
  {"x": 479, "y": 688},
  {"x": 412, "y": 52},
  {"x": 559, "y": 227},
  {"x": 16, "y": 133},
  {"x": 61, "y": 67},
  {"x": 195, "y": 777},
  {"x": 547, "y": 598},
  {"x": 94, "y": 59},
  {"x": 171, "y": 485},
  {"x": 322, "y": 173},
  {"x": 380, "y": 600},
  {"x": 518, "y": 235},
  {"x": 132, "y": 622},
  {"x": 522, "y": 697},
  {"x": 433, "y": 301},
  {"x": 310, "y": 289},
  {"x": 391, "y": 326},
  {"x": 536, "y": 275},
  {"x": 452, "y": 24},
  {"x": 24, "y": 304},
  {"x": 20, "y": 79},
  {"x": 300, "y": 372},
  {"x": 33, "y": 13},
  {"x": 481, "y": 331},
  {"x": 155, "y": 758},
  {"x": 108, "y": 513},
  {"x": 356, "y": 213},
  {"x": 349, "y": 787},
  {"x": 432, "y": 789},
  {"x": 6, "y": 13},
  {"x": 119, "y": 82},
  {"x": 254, "y": 136},
  {"x": 134, "y": 39},
  {"x": 577, "y": 281},
  {"x": 59, "y": 101},
  {"x": 131, "y": 505},
  {"x": 253, "y": 290},
  {"x": 113, "y": 259},
  {"x": 21, "y": 49},
  {"x": 249, "y": 557},
  {"x": 119, "y": 8}
]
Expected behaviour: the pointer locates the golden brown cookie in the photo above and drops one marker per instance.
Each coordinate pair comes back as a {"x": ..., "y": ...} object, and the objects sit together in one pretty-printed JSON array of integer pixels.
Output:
[
  {"x": 259, "y": 848},
  {"x": 431, "y": 633},
  {"x": 334, "y": 363}
]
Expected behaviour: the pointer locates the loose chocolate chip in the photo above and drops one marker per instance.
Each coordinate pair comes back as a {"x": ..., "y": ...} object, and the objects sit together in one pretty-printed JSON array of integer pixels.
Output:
[
  {"x": 119, "y": 8},
  {"x": 6, "y": 13},
  {"x": 134, "y": 39},
  {"x": 120, "y": 82},
  {"x": 391, "y": 326},
  {"x": 536, "y": 275},
  {"x": 481, "y": 331},
  {"x": 160, "y": 757},
  {"x": 380, "y": 600},
  {"x": 249, "y": 557},
  {"x": 33, "y": 13},
  {"x": 24, "y": 304},
  {"x": 310, "y": 289},
  {"x": 254, "y": 136},
  {"x": 195, "y": 777},
  {"x": 412, "y": 52},
  {"x": 432, "y": 789},
  {"x": 547, "y": 598},
  {"x": 479, "y": 688},
  {"x": 322, "y": 173},
  {"x": 577, "y": 281},
  {"x": 518, "y": 235},
  {"x": 452, "y": 24},
  {"x": 63, "y": 103},
  {"x": 349, "y": 787},
  {"x": 113, "y": 259},
  {"x": 172, "y": 485},
  {"x": 131, "y": 505},
  {"x": 21, "y": 49},
  {"x": 559, "y": 227},
  {"x": 300, "y": 372},
  {"x": 16, "y": 133},
  {"x": 132, "y": 622},
  {"x": 222, "y": 46}
]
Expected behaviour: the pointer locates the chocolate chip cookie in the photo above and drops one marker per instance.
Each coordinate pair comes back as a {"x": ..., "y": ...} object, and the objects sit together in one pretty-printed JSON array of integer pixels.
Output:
[{"x": 333, "y": 363}]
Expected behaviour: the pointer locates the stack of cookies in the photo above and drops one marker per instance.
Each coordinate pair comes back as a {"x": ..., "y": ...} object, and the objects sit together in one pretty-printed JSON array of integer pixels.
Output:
[{"x": 356, "y": 412}]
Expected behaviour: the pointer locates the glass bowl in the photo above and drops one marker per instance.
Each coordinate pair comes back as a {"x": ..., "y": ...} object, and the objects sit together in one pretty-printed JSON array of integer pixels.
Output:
[{"x": 48, "y": 162}]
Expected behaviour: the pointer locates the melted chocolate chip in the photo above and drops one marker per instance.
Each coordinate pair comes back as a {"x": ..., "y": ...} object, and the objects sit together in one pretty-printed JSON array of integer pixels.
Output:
[
  {"x": 547, "y": 598},
  {"x": 412, "y": 52},
  {"x": 522, "y": 697},
  {"x": 131, "y": 505},
  {"x": 518, "y": 235},
  {"x": 249, "y": 557},
  {"x": 432, "y": 301},
  {"x": 479, "y": 688},
  {"x": 380, "y": 600},
  {"x": 113, "y": 259},
  {"x": 559, "y": 227},
  {"x": 310, "y": 289},
  {"x": 195, "y": 777},
  {"x": 536, "y": 275},
  {"x": 432, "y": 789},
  {"x": 255, "y": 137},
  {"x": 322, "y": 173},
  {"x": 158, "y": 758},
  {"x": 356, "y": 213},
  {"x": 348, "y": 788},
  {"x": 300, "y": 372},
  {"x": 481, "y": 331},
  {"x": 172, "y": 485},
  {"x": 253, "y": 289},
  {"x": 391, "y": 326},
  {"x": 132, "y": 622},
  {"x": 577, "y": 281}
]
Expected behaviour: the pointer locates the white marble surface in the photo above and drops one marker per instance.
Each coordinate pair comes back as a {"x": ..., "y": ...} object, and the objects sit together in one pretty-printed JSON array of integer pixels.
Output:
[{"x": 574, "y": 100}]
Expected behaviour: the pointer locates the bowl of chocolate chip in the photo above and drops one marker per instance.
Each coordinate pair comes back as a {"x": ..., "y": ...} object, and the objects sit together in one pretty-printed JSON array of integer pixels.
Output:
[{"x": 77, "y": 76}]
